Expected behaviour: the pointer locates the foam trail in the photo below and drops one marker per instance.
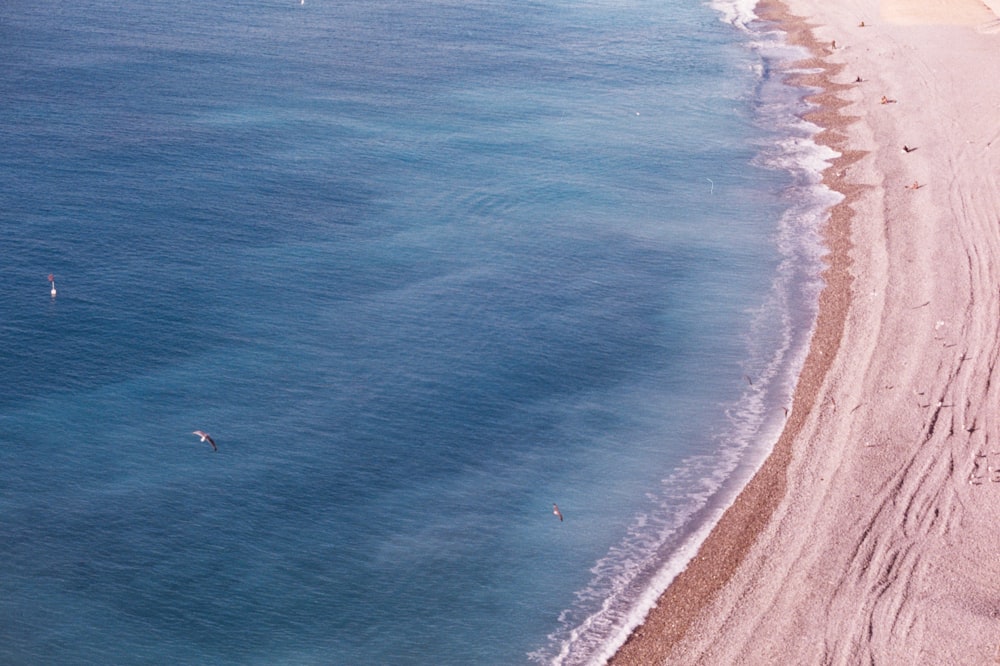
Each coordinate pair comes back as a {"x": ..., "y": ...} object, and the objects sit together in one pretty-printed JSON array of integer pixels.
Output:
[
  {"x": 662, "y": 540},
  {"x": 739, "y": 13}
]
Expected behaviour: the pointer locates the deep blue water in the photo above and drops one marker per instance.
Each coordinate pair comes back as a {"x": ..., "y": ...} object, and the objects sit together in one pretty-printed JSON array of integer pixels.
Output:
[{"x": 422, "y": 269}]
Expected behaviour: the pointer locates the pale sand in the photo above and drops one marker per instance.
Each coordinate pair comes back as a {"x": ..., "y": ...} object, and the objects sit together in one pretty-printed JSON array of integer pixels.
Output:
[{"x": 872, "y": 533}]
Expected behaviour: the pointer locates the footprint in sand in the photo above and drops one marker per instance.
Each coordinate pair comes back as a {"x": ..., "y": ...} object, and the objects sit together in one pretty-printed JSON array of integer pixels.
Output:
[{"x": 979, "y": 470}]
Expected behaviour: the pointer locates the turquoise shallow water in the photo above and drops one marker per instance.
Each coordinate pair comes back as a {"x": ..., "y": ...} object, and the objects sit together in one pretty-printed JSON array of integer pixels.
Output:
[{"x": 422, "y": 270}]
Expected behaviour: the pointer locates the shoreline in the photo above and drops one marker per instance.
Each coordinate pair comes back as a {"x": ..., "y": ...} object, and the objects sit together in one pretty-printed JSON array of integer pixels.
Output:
[
  {"x": 869, "y": 512},
  {"x": 727, "y": 544}
]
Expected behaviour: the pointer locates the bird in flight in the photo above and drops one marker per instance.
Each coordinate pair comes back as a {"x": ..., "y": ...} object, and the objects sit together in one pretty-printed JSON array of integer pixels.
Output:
[
  {"x": 206, "y": 438},
  {"x": 557, "y": 512}
]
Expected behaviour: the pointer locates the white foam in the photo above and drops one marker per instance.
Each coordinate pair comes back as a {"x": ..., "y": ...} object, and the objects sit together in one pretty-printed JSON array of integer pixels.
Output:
[
  {"x": 739, "y": 13},
  {"x": 660, "y": 542}
]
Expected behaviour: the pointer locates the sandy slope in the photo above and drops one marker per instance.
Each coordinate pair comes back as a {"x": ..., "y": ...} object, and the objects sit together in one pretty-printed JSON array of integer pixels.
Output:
[{"x": 872, "y": 535}]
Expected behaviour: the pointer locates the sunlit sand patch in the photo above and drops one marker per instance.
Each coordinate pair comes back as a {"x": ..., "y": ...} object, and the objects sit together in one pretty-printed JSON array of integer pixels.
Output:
[{"x": 938, "y": 12}]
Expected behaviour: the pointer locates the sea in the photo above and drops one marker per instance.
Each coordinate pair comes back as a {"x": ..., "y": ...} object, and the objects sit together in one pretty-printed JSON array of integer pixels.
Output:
[{"x": 422, "y": 270}]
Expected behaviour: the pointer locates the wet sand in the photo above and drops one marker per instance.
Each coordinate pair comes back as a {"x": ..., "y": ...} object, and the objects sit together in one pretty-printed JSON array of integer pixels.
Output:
[{"x": 871, "y": 532}]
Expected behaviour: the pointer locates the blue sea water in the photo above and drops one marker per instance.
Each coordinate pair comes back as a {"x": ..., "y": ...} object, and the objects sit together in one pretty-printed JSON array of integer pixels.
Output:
[{"x": 422, "y": 270}]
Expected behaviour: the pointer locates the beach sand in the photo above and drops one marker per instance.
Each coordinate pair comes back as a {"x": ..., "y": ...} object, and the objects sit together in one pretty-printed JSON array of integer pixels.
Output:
[{"x": 872, "y": 532}]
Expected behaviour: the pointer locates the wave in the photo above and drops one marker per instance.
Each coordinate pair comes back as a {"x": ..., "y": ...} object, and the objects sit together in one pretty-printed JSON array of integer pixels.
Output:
[
  {"x": 738, "y": 13},
  {"x": 663, "y": 538}
]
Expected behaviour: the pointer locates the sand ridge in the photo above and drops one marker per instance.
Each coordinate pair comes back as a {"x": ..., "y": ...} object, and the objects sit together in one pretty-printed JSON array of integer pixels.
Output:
[{"x": 872, "y": 534}]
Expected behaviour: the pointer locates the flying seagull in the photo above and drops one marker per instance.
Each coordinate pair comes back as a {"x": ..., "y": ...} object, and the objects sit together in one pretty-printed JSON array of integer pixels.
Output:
[
  {"x": 206, "y": 438},
  {"x": 557, "y": 512}
]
